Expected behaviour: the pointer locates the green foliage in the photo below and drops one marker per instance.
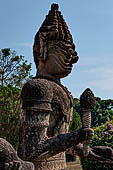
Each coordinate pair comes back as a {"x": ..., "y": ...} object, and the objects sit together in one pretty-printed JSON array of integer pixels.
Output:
[
  {"x": 9, "y": 113},
  {"x": 103, "y": 136},
  {"x": 102, "y": 112},
  {"x": 14, "y": 69},
  {"x": 94, "y": 165},
  {"x": 76, "y": 106},
  {"x": 76, "y": 121}
]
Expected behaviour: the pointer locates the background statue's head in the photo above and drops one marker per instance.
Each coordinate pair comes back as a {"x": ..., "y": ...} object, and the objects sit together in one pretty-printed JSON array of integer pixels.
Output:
[{"x": 54, "y": 50}]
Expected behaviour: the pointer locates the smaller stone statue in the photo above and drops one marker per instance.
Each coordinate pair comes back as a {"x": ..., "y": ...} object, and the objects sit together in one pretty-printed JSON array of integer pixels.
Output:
[
  {"x": 9, "y": 159},
  {"x": 87, "y": 101}
]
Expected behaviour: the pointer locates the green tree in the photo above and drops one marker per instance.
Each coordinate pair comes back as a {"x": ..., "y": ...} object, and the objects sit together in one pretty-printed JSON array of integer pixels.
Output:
[
  {"x": 14, "y": 70},
  {"x": 76, "y": 121},
  {"x": 9, "y": 113},
  {"x": 102, "y": 111}
]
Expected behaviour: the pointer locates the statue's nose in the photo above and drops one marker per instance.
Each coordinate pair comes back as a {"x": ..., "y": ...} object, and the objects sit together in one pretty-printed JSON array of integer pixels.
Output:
[{"x": 74, "y": 58}]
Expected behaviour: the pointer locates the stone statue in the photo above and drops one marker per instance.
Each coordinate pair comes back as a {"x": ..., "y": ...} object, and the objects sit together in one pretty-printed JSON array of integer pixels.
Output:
[{"x": 47, "y": 106}]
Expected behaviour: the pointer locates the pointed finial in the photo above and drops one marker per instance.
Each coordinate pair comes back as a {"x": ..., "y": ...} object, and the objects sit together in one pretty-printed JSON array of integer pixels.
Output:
[
  {"x": 54, "y": 7},
  {"x": 87, "y": 99}
]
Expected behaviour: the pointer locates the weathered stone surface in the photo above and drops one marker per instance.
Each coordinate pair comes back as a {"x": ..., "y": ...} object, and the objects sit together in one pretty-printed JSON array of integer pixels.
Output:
[
  {"x": 87, "y": 100},
  {"x": 9, "y": 159},
  {"x": 47, "y": 105},
  {"x": 53, "y": 49},
  {"x": 44, "y": 124},
  {"x": 46, "y": 116}
]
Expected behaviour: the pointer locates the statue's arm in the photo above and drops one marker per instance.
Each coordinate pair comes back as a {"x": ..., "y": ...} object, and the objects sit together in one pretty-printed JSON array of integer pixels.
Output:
[
  {"x": 62, "y": 142},
  {"x": 38, "y": 145}
]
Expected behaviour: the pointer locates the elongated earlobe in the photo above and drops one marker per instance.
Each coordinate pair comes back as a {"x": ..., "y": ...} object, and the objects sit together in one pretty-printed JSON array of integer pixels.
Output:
[
  {"x": 43, "y": 47},
  {"x": 40, "y": 48}
]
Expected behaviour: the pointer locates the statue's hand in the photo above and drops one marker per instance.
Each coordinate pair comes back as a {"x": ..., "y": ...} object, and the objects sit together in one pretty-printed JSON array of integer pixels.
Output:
[
  {"x": 14, "y": 165},
  {"x": 85, "y": 135}
]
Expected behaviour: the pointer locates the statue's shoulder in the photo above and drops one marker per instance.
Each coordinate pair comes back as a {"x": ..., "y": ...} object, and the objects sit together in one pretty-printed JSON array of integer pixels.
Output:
[
  {"x": 36, "y": 88},
  {"x": 41, "y": 93},
  {"x": 37, "y": 93},
  {"x": 62, "y": 94}
]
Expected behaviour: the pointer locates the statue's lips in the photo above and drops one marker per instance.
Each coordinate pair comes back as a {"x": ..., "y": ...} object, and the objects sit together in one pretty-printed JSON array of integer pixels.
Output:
[{"x": 74, "y": 59}]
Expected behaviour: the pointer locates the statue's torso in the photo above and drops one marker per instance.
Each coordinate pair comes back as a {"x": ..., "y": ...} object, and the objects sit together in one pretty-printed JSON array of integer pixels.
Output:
[{"x": 38, "y": 97}]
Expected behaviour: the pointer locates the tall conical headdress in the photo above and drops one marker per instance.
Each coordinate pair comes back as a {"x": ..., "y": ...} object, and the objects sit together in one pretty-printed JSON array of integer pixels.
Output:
[
  {"x": 54, "y": 22},
  {"x": 53, "y": 28}
]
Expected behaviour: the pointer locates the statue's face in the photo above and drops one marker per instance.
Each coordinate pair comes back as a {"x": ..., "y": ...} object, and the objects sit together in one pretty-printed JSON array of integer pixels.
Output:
[{"x": 60, "y": 59}]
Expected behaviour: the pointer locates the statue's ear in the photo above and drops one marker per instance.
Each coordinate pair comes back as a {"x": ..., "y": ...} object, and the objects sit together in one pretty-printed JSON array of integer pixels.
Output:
[
  {"x": 40, "y": 47},
  {"x": 43, "y": 46}
]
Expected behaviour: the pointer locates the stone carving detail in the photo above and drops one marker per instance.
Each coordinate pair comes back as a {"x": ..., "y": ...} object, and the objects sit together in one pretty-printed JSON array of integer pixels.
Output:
[
  {"x": 87, "y": 100},
  {"x": 54, "y": 45},
  {"x": 9, "y": 159},
  {"x": 47, "y": 106},
  {"x": 44, "y": 124}
]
